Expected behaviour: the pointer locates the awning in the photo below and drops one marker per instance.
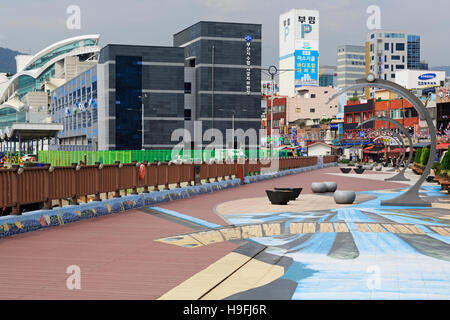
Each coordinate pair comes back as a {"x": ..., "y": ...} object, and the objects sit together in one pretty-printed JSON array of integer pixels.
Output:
[
  {"x": 380, "y": 149},
  {"x": 443, "y": 146}
]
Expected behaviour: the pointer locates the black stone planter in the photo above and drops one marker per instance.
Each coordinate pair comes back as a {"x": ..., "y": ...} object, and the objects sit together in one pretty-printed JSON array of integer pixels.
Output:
[
  {"x": 345, "y": 170},
  {"x": 296, "y": 191},
  {"x": 280, "y": 197},
  {"x": 359, "y": 170}
]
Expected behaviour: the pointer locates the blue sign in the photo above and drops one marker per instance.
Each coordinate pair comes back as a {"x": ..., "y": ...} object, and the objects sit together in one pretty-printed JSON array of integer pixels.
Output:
[
  {"x": 248, "y": 38},
  {"x": 334, "y": 125},
  {"x": 427, "y": 76},
  {"x": 306, "y": 67}
]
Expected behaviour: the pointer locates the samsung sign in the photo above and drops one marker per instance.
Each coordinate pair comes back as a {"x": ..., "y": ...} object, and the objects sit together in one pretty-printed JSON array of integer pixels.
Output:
[{"x": 427, "y": 76}]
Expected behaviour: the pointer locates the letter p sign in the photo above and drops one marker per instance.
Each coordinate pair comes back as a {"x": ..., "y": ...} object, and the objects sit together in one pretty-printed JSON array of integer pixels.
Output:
[{"x": 306, "y": 28}]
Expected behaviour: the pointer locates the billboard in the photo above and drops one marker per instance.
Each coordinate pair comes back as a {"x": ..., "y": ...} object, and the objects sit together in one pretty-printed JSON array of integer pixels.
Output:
[
  {"x": 306, "y": 68},
  {"x": 419, "y": 79}
]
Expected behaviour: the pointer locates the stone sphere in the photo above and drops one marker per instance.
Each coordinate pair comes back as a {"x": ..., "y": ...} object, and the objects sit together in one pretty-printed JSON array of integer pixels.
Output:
[
  {"x": 331, "y": 186},
  {"x": 318, "y": 187},
  {"x": 344, "y": 197}
]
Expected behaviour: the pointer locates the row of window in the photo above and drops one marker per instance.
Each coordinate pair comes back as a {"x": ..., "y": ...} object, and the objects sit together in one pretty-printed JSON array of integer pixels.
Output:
[{"x": 80, "y": 120}]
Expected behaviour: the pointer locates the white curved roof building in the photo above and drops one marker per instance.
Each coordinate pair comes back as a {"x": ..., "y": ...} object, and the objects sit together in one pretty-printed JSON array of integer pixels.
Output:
[{"x": 33, "y": 71}]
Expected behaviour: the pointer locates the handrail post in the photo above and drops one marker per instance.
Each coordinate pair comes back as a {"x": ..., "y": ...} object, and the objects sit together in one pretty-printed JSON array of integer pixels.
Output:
[
  {"x": 74, "y": 198},
  {"x": 117, "y": 187}
]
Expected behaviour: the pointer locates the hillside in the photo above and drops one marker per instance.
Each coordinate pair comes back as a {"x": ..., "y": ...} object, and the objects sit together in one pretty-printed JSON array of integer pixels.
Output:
[{"x": 7, "y": 61}]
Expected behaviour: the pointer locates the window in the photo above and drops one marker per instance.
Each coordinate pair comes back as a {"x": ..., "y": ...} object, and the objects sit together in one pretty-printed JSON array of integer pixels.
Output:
[
  {"x": 395, "y": 57},
  {"x": 187, "y": 114},
  {"x": 357, "y": 117},
  {"x": 297, "y": 110},
  {"x": 386, "y": 66},
  {"x": 399, "y": 66},
  {"x": 386, "y": 46},
  {"x": 349, "y": 118},
  {"x": 187, "y": 87},
  {"x": 393, "y": 75},
  {"x": 400, "y": 46},
  {"x": 313, "y": 95},
  {"x": 372, "y": 36},
  {"x": 312, "y": 110}
]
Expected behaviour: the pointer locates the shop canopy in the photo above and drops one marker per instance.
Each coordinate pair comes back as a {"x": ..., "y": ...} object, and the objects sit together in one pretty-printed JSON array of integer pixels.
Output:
[
  {"x": 380, "y": 149},
  {"x": 443, "y": 146}
]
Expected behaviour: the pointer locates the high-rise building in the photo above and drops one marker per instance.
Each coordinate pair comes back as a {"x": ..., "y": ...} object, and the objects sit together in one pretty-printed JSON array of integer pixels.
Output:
[
  {"x": 387, "y": 53},
  {"x": 223, "y": 60},
  {"x": 299, "y": 50},
  {"x": 351, "y": 65},
  {"x": 414, "y": 52}
]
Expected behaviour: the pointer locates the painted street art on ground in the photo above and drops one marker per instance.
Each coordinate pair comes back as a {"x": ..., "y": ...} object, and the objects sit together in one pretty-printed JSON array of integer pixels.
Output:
[{"x": 362, "y": 251}]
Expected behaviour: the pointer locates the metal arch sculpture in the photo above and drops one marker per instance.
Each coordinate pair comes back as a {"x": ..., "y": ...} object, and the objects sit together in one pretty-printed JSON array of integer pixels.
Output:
[
  {"x": 411, "y": 196},
  {"x": 401, "y": 175},
  {"x": 399, "y": 139}
]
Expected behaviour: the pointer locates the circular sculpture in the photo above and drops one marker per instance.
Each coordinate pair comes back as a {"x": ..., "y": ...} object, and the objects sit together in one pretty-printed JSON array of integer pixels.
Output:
[
  {"x": 344, "y": 197},
  {"x": 331, "y": 186},
  {"x": 318, "y": 187}
]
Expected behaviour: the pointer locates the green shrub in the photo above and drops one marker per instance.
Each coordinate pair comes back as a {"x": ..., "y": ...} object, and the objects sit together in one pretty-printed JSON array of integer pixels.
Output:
[
  {"x": 417, "y": 156},
  {"x": 445, "y": 163},
  {"x": 344, "y": 161},
  {"x": 437, "y": 168},
  {"x": 424, "y": 156}
]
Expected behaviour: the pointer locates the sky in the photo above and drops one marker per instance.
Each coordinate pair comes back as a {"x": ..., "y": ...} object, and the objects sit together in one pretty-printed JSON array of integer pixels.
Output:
[{"x": 29, "y": 25}]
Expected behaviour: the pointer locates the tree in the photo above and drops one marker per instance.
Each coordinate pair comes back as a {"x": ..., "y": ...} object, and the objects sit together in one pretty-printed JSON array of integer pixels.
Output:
[{"x": 355, "y": 96}]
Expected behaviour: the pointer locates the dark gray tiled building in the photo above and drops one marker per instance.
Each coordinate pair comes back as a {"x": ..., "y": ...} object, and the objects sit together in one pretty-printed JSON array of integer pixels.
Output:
[
  {"x": 132, "y": 76},
  {"x": 225, "y": 63}
]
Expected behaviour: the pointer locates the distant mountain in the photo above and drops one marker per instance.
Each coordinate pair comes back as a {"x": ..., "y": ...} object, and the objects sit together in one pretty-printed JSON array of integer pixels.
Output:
[
  {"x": 7, "y": 61},
  {"x": 442, "y": 68}
]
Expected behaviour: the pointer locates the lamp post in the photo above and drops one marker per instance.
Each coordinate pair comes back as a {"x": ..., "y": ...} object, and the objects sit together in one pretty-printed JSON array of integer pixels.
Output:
[
  {"x": 232, "y": 121},
  {"x": 142, "y": 121}
]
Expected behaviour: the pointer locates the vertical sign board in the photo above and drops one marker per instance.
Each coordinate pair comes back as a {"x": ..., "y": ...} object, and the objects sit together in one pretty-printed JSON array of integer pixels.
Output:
[{"x": 248, "y": 63}]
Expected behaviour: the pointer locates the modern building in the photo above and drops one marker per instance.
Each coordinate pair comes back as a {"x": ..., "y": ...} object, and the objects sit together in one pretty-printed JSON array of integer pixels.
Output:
[
  {"x": 28, "y": 89},
  {"x": 133, "y": 90},
  {"x": 388, "y": 52},
  {"x": 223, "y": 61},
  {"x": 351, "y": 65},
  {"x": 299, "y": 50},
  {"x": 328, "y": 76},
  {"x": 151, "y": 97}
]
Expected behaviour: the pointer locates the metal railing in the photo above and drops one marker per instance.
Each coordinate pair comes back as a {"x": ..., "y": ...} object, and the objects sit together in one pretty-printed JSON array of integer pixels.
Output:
[{"x": 24, "y": 186}]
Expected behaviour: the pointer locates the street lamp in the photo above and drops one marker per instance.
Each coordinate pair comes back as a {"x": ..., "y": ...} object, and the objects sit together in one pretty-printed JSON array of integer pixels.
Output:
[
  {"x": 142, "y": 122},
  {"x": 232, "y": 120}
]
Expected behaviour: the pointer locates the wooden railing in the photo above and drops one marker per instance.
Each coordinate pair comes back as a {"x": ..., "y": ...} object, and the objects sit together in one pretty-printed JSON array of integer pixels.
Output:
[{"x": 24, "y": 186}]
